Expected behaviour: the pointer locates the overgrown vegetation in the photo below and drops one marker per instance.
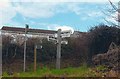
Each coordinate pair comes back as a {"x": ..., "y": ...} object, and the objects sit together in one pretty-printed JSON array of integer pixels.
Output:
[
  {"x": 78, "y": 51},
  {"x": 100, "y": 38}
]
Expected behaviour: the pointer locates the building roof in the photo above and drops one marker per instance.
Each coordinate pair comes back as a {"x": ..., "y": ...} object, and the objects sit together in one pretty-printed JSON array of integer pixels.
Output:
[{"x": 17, "y": 29}]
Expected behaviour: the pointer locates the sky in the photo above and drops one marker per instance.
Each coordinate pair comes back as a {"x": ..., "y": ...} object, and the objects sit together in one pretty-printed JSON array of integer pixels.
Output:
[{"x": 75, "y": 15}]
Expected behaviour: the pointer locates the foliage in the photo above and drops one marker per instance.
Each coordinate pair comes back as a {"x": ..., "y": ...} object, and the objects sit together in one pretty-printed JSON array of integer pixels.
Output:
[{"x": 100, "y": 38}]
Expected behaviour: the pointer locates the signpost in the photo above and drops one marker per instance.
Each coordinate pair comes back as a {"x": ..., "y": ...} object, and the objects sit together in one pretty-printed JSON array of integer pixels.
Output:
[
  {"x": 57, "y": 38},
  {"x": 26, "y": 29},
  {"x": 64, "y": 42}
]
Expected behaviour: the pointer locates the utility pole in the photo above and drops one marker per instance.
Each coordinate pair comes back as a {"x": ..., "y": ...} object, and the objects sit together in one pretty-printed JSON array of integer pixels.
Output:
[
  {"x": 58, "y": 56},
  {"x": 26, "y": 29}
]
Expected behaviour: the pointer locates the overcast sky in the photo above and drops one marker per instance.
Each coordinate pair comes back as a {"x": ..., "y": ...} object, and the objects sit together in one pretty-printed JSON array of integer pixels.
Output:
[{"x": 72, "y": 14}]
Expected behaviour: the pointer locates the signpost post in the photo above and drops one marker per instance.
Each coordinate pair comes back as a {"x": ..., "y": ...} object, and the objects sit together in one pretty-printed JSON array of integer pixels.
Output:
[
  {"x": 26, "y": 29},
  {"x": 58, "y": 49}
]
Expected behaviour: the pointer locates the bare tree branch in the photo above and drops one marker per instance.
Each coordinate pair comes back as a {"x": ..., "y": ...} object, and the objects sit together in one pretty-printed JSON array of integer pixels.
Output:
[{"x": 114, "y": 7}]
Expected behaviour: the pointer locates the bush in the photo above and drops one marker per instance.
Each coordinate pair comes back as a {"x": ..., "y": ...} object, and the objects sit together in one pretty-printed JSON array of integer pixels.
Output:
[{"x": 100, "y": 38}]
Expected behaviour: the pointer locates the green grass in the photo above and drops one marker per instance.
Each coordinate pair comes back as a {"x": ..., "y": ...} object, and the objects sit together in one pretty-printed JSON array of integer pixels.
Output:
[{"x": 82, "y": 71}]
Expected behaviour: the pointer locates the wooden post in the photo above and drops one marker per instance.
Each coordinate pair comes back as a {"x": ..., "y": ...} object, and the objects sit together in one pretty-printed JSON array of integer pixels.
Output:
[
  {"x": 58, "y": 56},
  {"x": 1, "y": 55},
  {"x": 35, "y": 52},
  {"x": 26, "y": 29}
]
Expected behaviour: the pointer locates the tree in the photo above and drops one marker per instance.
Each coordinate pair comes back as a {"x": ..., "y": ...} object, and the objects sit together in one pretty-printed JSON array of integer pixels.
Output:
[
  {"x": 100, "y": 38},
  {"x": 113, "y": 13}
]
